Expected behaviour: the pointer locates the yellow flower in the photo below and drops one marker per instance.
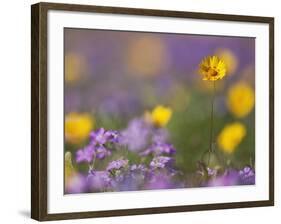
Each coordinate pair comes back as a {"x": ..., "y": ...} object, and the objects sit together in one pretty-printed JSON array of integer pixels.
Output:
[
  {"x": 72, "y": 179},
  {"x": 75, "y": 67},
  {"x": 229, "y": 58},
  {"x": 231, "y": 136},
  {"x": 212, "y": 68},
  {"x": 69, "y": 170},
  {"x": 240, "y": 99},
  {"x": 77, "y": 127},
  {"x": 147, "y": 56},
  {"x": 159, "y": 116}
]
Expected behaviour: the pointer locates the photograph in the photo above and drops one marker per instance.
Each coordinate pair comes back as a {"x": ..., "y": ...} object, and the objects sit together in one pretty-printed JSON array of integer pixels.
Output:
[
  {"x": 140, "y": 111},
  {"x": 144, "y": 111},
  {"x": 157, "y": 110}
]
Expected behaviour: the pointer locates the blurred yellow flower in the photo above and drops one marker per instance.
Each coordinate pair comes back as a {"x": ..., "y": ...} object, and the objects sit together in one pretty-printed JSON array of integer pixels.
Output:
[
  {"x": 229, "y": 58},
  {"x": 73, "y": 181},
  {"x": 159, "y": 116},
  {"x": 69, "y": 170},
  {"x": 75, "y": 67},
  {"x": 212, "y": 68},
  {"x": 77, "y": 127},
  {"x": 231, "y": 136},
  {"x": 147, "y": 56},
  {"x": 240, "y": 99}
]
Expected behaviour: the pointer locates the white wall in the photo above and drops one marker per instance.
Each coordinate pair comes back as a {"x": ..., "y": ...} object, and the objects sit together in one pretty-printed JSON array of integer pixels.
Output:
[{"x": 15, "y": 111}]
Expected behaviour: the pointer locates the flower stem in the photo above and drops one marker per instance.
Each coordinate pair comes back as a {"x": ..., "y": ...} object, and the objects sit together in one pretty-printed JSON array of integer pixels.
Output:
[
  {"x": 91, "y": 166},
  {"x": 212, "y": 118}
]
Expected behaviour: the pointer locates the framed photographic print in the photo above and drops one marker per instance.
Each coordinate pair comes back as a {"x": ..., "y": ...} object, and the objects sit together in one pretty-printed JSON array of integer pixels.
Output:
[{"x": 139, "y": 111}]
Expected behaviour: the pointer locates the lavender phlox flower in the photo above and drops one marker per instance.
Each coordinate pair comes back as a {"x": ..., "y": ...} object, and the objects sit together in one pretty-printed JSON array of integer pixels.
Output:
[
  {"x": 112, "y": 136},
  {"x": 98, "y": 137},
  {"x": 138, "y": 171},
  {"x": 101, "y": 136},
  {"x": 159, "y": 148},
  {"x": 117, "y": 164},
  {"x": 211, "y": 172},
  {"x": 85, "y": 155},
  {"x": 247, "y": 175},
  {"x": 136, "y": 135},
  {"x": 160, "y": 135},
  {"x": 159, "y": 181},
  {"x": 76, "y": 184},
  {"x": 99, "y": 180},
  {"x": 161, "y": 162},
  {"x": 139, "y": 167},
  {"x": 101, "y": 152},
  {"x": 126, "y": 183},
  {"x": 117, "y": 169},
  {"x": 133, "y": 178},
  {"x": 98, "y": 140},
  {"x": 229, "y": 178}
]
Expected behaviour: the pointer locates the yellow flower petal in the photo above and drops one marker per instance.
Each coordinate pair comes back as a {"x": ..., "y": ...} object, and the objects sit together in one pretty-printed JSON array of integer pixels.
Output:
[
  {"x": 75, "y": 67},
  {"x": 212, "y": 68},
  {"x": 161, "y": 115},
  {"x": 240, "y": 99},
  {"x": 231, "y": 136},
  {"x": 77, "y": 127},
  {"x": 231, "y": 61}
]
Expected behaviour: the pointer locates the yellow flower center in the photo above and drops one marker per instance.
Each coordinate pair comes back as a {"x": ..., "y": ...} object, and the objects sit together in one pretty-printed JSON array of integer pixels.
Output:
[
  {"x": 212, "y": 68},
  {"x": 212, "y": 72}
]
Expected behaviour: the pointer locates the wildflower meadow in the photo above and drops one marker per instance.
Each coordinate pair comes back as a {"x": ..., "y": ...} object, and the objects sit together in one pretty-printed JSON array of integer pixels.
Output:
[{"x": 147, "y": 111}]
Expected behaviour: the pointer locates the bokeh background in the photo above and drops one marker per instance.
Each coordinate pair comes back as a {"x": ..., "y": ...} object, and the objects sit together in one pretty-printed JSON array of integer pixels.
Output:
[{"x": 112, "y": 77}]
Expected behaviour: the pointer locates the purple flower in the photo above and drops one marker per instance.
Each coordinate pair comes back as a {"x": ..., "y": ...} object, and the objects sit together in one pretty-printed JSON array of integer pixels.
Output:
[
  {"x": 126, "y": 183},
  {"x": 161, "y": 162},
  {"x": 101, "y": 136},
  {"x": 98, "y": 137},
  {"x": 112, "y": 136},
  {"x": 138, "y": 172},
  {"x": 139, "y": 167},
  {"x": 85, "y": 155},
  {"x": 159, "y": 148},
  {"x": 247, "y": 176},
  {"x": 135, "y": 137},
  {"x": 159, "y": 181},
  {"x": 211, "y": 172},
  {"x": 130, "y": 179},
  {"x": 139, "y": 134},
  {"x": 229, "y": 178},
  {"x": 101, "y": 152},
  {"x": 99, "y": 180},
  {"x": 160, "y": 135},
  {"x": 76, "y": 184},
  {"x": 117, "y": 164}
]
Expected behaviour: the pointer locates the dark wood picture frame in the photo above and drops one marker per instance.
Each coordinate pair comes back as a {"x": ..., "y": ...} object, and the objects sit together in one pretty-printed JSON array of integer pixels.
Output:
[{"x": 39, "y": 148}]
